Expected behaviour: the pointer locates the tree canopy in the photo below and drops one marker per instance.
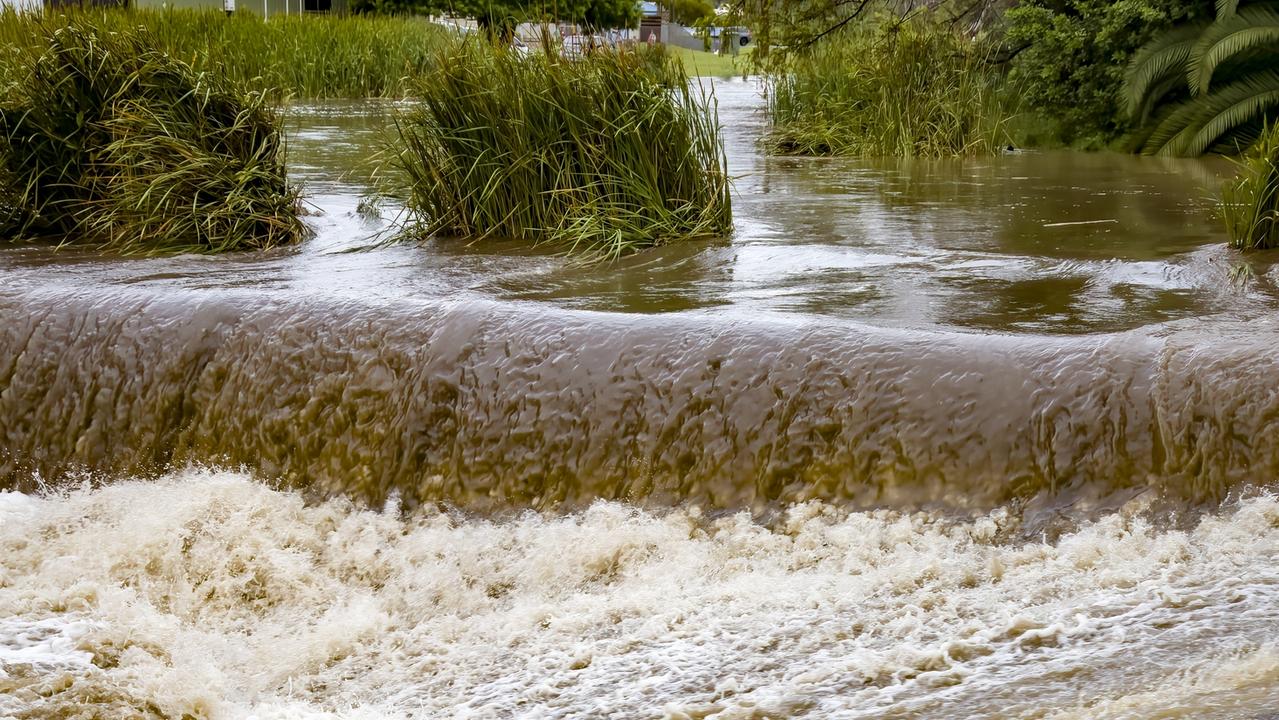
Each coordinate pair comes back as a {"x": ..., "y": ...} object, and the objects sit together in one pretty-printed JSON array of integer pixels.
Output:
[
  {"x": 781, "y": 27},
  {"x": 1071, "y": 55},
  {"x": 690, "y": 12}
]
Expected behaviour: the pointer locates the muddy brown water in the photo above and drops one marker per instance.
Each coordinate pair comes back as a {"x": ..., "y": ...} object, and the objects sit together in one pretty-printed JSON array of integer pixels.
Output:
[
  {"x": 1052, "y": 354},
  {"x": 955, "y": 333}
]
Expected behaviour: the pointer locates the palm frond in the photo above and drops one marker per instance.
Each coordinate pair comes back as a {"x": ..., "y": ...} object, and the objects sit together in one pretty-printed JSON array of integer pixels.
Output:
[
  {"x": 1250, "y": 28},
  {"x": 1196, "y": 125},
  {"x": 1137, "y": 138},
  {"x": 1167, "y": 56}
]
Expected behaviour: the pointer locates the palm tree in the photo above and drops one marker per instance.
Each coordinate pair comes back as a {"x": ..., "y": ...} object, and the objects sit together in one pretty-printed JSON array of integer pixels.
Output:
[{"x": 1207, "y": 86}]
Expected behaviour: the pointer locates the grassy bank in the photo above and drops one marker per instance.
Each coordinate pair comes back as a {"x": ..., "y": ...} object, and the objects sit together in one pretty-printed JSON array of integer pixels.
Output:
[
  {"x": 320, "y": 56},
  {"x": 888, "y": 90},
  {"x": 308, "y": 57},
  {"x": 603, "y": 155},
  {"x": 705, "y": 64},
  {"x": 108, "y": 141}
]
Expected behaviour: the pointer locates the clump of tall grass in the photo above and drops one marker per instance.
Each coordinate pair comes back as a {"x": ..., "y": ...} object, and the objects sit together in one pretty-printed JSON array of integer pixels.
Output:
[
  {"x": 108, "y": 141},
  {"x": 895, "y": 88},
  {"x": 1250, "y": 202},
  {"x": 605, "y": 154},
  {"x": 311, "y": 56}
]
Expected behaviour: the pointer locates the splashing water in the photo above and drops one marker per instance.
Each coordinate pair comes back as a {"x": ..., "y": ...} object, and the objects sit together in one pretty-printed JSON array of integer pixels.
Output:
[{"x": 207, "y": 594}]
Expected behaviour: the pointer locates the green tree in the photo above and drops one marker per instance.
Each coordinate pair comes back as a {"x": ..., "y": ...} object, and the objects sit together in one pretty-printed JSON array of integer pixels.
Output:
[
  {"x": 781, "y": 28},
  {"x": 690, "y": 12},
  {"x": 1069, "y": 58}
]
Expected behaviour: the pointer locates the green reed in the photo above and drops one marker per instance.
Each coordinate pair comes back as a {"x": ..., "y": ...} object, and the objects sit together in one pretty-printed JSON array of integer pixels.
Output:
[
  {"x": 604, "y": 155},
  {"x": 895, "y": 89},
  {"x": 1250, "y": 202},
  {"x": 312, "y": 56},
  {"x": 106, "y": 140}
]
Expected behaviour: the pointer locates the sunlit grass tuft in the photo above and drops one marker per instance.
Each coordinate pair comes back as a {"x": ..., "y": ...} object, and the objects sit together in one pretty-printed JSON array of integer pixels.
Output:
[
  {"x": 603, "y": 155},
  {"x": 108, "y": 141}
]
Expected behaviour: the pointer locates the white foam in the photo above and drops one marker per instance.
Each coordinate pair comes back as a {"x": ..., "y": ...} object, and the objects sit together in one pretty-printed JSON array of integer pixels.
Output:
[
  {"x": 44, "y": 643},
  {"x": 209, "y": 594}
]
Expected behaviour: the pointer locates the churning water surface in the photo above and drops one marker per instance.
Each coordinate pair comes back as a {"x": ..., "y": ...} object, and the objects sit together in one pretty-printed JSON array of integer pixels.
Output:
[{"x": 969, "y": 439}]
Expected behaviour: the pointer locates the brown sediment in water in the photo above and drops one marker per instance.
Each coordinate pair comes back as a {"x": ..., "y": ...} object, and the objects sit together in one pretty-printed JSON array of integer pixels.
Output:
[
  {"x": 485, "y": 404},
  {"x": 877, "y": 334},
  {"x": 891, "y": 337}
]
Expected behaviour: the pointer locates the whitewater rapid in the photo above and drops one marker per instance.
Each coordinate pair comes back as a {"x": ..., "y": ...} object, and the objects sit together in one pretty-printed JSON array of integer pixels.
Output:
[{"x": 208, "y": 594}]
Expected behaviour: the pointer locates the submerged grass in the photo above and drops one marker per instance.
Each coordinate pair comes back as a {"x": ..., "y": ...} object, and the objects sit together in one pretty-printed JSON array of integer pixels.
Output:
[
  {"x": 311, "y": 56},
  {"x": 604, "y": 155},
  {"x": 1250, "y": 203},
  {"x": 895, "y": 89},
  {"x": 108, "y": 141}
]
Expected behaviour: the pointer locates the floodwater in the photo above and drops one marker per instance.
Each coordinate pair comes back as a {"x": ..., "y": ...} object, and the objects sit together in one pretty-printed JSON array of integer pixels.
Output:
[{"x": 987, "y": 438}]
